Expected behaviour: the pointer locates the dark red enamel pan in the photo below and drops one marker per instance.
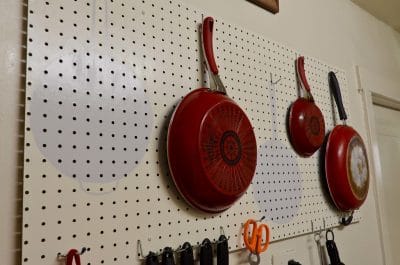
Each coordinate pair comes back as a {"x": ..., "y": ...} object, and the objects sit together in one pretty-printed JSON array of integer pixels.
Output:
[
  {"x": 211, "y": 148},
  {"x": 306, "y": 122},
  {"x": 346, "y": 161}
]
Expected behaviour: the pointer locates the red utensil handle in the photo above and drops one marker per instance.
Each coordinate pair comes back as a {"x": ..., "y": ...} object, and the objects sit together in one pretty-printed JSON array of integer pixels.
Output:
[
  {"x": 207, "y": 34},
  {"x": 301, "y": 73},
  {"x": 73, "y": 254}
]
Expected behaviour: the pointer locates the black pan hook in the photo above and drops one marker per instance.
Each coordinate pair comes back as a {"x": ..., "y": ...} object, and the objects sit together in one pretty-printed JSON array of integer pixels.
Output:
[{"x": 346, "y": 221}]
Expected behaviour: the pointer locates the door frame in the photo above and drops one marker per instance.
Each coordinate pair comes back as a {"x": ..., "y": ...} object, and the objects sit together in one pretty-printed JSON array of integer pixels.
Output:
[{"x": 384, "y": 91}]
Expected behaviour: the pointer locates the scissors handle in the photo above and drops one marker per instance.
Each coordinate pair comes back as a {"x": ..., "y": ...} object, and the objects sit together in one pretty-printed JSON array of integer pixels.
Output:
[
  {"x": 255, "y": 242},
  {"x": 260, "y": 231},
  {"x": 252, "y": 241}
]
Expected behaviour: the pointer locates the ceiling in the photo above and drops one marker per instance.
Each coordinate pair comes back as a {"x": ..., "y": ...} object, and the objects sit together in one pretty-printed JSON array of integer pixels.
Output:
[{"x": 386, "y": 10}]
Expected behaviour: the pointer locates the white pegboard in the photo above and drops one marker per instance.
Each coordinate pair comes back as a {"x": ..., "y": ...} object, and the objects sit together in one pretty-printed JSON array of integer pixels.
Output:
[{"x": 103, "y": 78}]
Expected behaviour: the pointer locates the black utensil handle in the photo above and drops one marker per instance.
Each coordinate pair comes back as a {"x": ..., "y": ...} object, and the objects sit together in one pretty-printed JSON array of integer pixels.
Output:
[
  {"x": 206, "y": 254},
  {"x": 168, "y": 257},
  {"x": 335, "y": 89},
  {"x": 186, "y": 256},
  {"x": 152, "y": 259},
  {"x": 333, "y": 253},
  {"x": 293, "y": 262},
  {"x": 222, "y": 251}
]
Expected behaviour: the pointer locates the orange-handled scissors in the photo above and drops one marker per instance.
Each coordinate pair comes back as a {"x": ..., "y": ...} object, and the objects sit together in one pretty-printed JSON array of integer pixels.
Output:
[{"x": 254, "y": 243}]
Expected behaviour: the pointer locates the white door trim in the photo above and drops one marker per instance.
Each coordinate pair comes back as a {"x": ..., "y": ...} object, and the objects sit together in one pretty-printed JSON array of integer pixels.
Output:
[{"x": 384, "y": 91}]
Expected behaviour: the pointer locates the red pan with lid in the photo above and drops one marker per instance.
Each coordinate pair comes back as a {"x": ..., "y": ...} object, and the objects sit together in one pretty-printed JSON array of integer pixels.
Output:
[
  {"x": 346, "y": 161},
  {"x": 306, "y": 122},
  {"x": 211, "y": 148}
]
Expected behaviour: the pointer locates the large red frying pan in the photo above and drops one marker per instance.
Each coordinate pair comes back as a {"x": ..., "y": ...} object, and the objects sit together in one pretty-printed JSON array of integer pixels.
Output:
[
  {"x": 306, "y": 122},
  {"x": 211, "y": 148},
  {"x": 346, "y": 161}
]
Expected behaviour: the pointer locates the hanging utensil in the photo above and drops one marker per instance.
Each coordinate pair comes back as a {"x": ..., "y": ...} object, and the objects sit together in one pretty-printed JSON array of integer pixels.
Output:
[
  {"x": 186, "y": 254},
  {"x": 167, "y": 257},
  {"x": 332, "y": 249},
  {"x": 320, "y": 248},
  {"x": 206, "y": 252},
  {"x": 257, "y": 241},
  {"x": 152, "y": 259},
  {"x": 306, "y": 122},
  {"x": 222, "y": 251}
]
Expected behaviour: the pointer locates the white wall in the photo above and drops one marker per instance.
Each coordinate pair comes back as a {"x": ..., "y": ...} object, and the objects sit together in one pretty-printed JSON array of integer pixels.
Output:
[{"x": 335, "y": 31}]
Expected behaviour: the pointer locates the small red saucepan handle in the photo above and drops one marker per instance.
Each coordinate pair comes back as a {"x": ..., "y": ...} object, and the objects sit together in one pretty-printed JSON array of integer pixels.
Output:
[
  {"x": 207, "y": 35},
  {"x": 72, "y": 255},
  {"x": 301, "y": 73},
  {"x": 334, "y": 85}
]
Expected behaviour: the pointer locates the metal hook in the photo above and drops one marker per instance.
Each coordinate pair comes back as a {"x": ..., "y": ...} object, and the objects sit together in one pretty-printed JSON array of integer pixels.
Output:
[
  {"x": 317, "y": 234},
  {"x": 320, "y": 229},
  {"x": 262, "y": 218},
  {"x": 221, "y": 230},
  {"x": 276, "y": 82},
  {"x": 139, "y": 249},
  {"x": 61, "y": 256},
  {"x": 347, "y": 221},
  {"x": 259, "y": 220}
]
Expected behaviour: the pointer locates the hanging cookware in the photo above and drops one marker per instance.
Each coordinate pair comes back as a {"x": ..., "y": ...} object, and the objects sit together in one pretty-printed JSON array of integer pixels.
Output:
[
  {"x": 346, "y": 161},
  {"x": 211, "y": 148},
  {"x": 306, "y": 122}
]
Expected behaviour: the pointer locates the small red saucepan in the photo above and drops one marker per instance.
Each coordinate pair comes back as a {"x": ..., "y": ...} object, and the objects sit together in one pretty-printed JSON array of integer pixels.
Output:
[
  {"x": 211, "y": 148},
  {"x": 306, "y": 122},
  {"x": 346, "y": 161}
]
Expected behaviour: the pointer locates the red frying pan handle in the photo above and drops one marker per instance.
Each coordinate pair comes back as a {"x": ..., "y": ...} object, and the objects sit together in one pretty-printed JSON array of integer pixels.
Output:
[
  {"x": 207, "y": 34},
  {"x": 301, "y": 73}
]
